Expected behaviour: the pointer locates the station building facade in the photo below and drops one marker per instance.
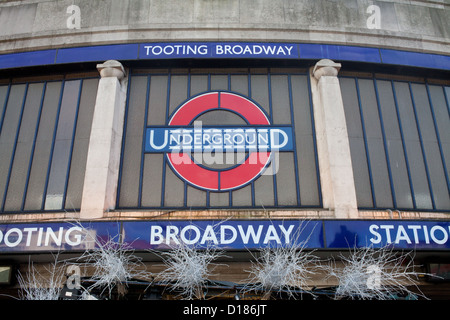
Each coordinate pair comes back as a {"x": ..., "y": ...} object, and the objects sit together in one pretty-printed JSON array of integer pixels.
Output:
[{"x": 236, "y": 123}]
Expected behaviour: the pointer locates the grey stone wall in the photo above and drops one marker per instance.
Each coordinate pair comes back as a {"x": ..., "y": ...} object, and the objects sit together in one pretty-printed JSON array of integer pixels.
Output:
[{"x": 417, "y": 25}]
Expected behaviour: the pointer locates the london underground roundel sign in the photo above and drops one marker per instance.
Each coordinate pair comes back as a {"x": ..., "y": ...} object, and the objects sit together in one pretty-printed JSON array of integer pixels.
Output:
[{"x": 183, "y": 137}]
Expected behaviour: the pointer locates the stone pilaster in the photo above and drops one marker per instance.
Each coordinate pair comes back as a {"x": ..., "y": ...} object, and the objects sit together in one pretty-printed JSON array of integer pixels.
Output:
[
  {"x": 335, "y": 164},
  {"x": 103, "y": 159}
]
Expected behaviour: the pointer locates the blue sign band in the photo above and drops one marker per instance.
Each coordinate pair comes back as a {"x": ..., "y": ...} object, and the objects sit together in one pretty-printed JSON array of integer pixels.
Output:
[
  {"x": 218, "y": 50},
  {"x": 224, "y": 50},
  {"x": 218, "y": 139},
  {"x": 229, "y": 235},
  {"x": 38, "y": 237},
  {"x": 399, "y": 234}
]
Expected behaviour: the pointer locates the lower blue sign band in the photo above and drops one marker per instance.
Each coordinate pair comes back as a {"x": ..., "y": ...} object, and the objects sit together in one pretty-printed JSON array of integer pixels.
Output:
[{"x": 228, "y": 234}]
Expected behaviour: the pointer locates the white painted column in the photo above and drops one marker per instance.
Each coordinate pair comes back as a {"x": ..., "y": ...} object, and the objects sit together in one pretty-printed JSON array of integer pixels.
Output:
[
  {"x": 335, "y": 163},
  {"x": 103, "y": 159}
]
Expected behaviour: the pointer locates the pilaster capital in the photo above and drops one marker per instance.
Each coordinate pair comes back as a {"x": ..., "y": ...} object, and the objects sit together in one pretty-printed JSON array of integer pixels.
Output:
[
  {"x": 111, "y": 68},
  {"x": 326, "y": 67}
]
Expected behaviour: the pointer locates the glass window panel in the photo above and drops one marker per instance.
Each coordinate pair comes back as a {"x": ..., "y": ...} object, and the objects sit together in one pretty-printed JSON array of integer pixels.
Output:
[
  {"x": 131, "y": 165},
  {"x": 369, "y": 108},
  {"x": 8, "y": 134},
  {"x": 423, "y": 110},
  {"x": 301, "y": 106},
  {"x": 446, "y": 152},
  {"x": 357, "y": 145},
  {"x": 219, "y": 199},
  {"x": 199, "y": 84},
  {"x": 447, "y": 97},
  {"x": 440, "y": 181},
  {"x": 242, "y": 197},
  {"x": 178, "y": 91},
  {"x": 397, "y": 160},
  {"x": 259, "y": 91},
  {"x": 13, "y": 113},
  {"x": 3, "y": 101},
  {"x": 24, "y": 147},
  {"x": 38, "y": 174},
  {"x": 441, "y": 112},
  {"x": 152, "y": 180},
  {"x": 239, "y": 84},
  {"x": 351, "y": 107},
  {"x": 413, "y": 146},
  {"x": 63, "y": 146},
  {"x": 286, "y": 185},
  {"x": 219, "y": 82},
  {"x": 309, "y": 190},
  {"x": 81, "y": 144},
  {"x": 264, "y": 195},
  {"x": 280, "y": 100},
  {"x": 375, "y": 143},
  {"x": 195, "y": 197},
  {"x": 219, "y": 117},
  {"x": 418, "y": 174},
  {"x": 437, "y": 178},
  {"x": 173, "y": 190},
  {"x": 446, "y": 139},
  {"x": 380, "y": 177},
  {"x": 399, "y": 174},
  {"x": 157, "y": 103},
  {"x": 431, "y": 150},
  {"x": 361, "y": 173},
  {"x": 307, "y": 170},
  {"x": 406, "y": 111},
  {"x": 388, "y": 110}
]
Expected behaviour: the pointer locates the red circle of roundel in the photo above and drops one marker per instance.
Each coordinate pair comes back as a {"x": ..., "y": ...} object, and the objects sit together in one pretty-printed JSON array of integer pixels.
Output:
[{"x": 214, "y": 180}]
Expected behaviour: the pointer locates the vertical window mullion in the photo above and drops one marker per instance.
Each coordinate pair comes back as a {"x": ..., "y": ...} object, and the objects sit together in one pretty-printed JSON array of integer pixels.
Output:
[
  {"x": 230, "y": 193},
  {"x": 141, "y": 174},
  {"x": 124, "y": 136},
  {"x": 208, "y": 194},
  {"x": 294, "y": 142},
  {"x": 273, "y": 164},
  {"x": 164, "y": 162},
  {"x": 316, "y": 156},
  {"x": 249, "y": 80},
  {"x": 185, "y": 187}
]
